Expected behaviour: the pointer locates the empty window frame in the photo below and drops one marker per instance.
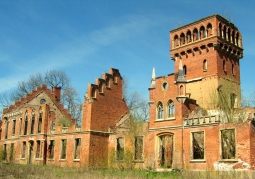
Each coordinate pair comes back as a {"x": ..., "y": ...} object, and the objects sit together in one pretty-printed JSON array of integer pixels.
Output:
[
  {"x": 160, "y": 111},
  {"x": 138, "y": 148},
  {"x": 32, "y": 122},
  {"x": 23, "y": 149},
  {"x": 13, "y": 126},
  {"x": 39, "y": 129},
  {"x": 77, "y": 148},
  {"x": 63, "y": 149},
  {"x": 120, "y": 148},
  {"x": 197, "y": 146},
  {"x": 171, "y": 109},
  {"x": 4, "y": 157},
  {"x": 233, "y": 101},
  {"x": 51, "y": 149},
  {"x": 20, "y": 126},
  {"x": 228, "y": 144},
  {"x": 25, "y": 123},
  {"x": 6, "y": 129},
  {"x": 38, "y": 149}
]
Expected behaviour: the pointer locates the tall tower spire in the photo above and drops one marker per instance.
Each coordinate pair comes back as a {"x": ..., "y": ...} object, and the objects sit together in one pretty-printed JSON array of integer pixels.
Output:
[{"x": 153, "y": 79}]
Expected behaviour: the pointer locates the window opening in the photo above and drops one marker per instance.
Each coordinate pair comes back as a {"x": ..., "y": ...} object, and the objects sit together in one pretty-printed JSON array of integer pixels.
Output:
[
  {"x": 32, "y": 121},
  {"x": 120, "y": 148},
  {"x": 23, "y": 152},
  {"x": 40, "y": 120},
  {"x": 6, "y": 129},
  {"x": 13, "y": 127},
  {"x": 63, "y": 149},
  {"x": 25, "y": 123},
  {"x": 165, "y": 85},
  {"x": 228, "y": 144},
  {"x": 160, "y": 111},
  {"x": 20, "y": 126},
  {"x": 77, "y": 148},
  {"x": 185, "y": 70},
  {"x": 139, "y": 148},
  {"x": 38, "y": 149},
  {"x": 198, "y": 145},
  {"x": 171, "y": 109},
  {"x": 4, "y": 157},
  {"x": 205, "y": 65},
  {"x": 42, "y": 101},
  {"x": 165, "y": 156},
  {"x": 51, "y": 149}
]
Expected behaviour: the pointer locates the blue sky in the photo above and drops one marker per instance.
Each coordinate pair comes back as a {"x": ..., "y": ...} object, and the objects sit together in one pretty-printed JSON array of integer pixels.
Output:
[{"x": 86, "y": 38}]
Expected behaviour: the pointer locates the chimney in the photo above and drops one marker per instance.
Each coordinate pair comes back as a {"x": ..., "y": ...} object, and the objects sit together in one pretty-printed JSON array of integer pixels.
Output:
[{"x": 57, "y": 91}]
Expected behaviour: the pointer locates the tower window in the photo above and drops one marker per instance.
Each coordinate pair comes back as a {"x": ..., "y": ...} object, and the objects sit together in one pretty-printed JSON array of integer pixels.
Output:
[{"x": 185, "y": 70}]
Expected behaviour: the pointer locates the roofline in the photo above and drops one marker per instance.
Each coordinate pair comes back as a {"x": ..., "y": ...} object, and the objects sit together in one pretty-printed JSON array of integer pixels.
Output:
[{"x": 208, "y": 17}]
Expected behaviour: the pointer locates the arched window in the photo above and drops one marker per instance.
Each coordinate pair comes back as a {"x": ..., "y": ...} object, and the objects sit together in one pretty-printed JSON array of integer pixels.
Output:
[
  {"x": 42, "y": 101},
  {"x": 233, "y": 37},
  {"x": 205, "y": 65},
  {"x": 181, "y": 90},
  {"x": 184, "y": 69},
  {"x": 171, "y": 109},
  {"x": 209, "y": 30},
  {"x": 189, "y": 37},
  {"x": 224, "y": 32},
  {"x": 195, "y": 34},
  {"x": 160, "y": 111},
  {"x": 229, "y": 35},
  {"x": 176, "y": 41},
  {"x": 220, "y": 30},
  {"x": 202, "y": 32},
  {"x": 237, "y": 39},
  {"x": 182, "y": 39}
]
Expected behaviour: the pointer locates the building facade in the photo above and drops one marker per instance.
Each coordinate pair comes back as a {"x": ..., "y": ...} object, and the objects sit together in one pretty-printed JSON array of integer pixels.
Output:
[{"x": 196, "y": 120}]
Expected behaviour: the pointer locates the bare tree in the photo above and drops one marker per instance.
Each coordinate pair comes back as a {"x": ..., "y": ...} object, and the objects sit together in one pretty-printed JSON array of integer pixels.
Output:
[
  {"x": 57, "y": 78},
  {"x": 52, "y": 78},
  {"x": 138, "y": 106},
  {"x": 72, "y": 102}
]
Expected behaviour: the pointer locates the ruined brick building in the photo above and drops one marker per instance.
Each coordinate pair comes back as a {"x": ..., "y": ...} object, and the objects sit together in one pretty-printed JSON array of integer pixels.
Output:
[{"x": 196, "y": 120}]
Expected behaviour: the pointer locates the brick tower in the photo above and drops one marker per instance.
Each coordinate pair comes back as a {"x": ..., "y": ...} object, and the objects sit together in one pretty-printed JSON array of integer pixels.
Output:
[{"x": 209, "y": 50}]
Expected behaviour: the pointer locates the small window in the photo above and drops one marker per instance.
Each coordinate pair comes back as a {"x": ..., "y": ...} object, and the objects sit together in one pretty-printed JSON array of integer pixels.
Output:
[
  {"x": 51, "y": 149},
  {"x": 23, "y": 150},
  {"x": 160, "y": 111},
  {"x": 77, "y": 148},
  {"x": 63, "y": 149},
  {"x": 198, "y": 145},
  {"x": 171, "y": 109},
  {"x": 120, "y": 148},
  {"x": 20, "y": 126},
  {"x": 165, "y": 85},
  {"x": 205, "y": 65},
  {"x": 228, "y": 144},
  {"x": 233, "y": 101},
  {"x": 185, "y": 70},
  {"x": 6, "y": 129},
  {"x": 138, "y": 148},
  {"x": 42, "y": 101}
]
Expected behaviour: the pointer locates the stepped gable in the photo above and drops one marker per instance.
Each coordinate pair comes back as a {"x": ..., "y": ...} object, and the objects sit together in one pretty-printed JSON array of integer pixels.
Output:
[
  {"x": 105, "y": 81},
  {"x": 33, "y": 94}
]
